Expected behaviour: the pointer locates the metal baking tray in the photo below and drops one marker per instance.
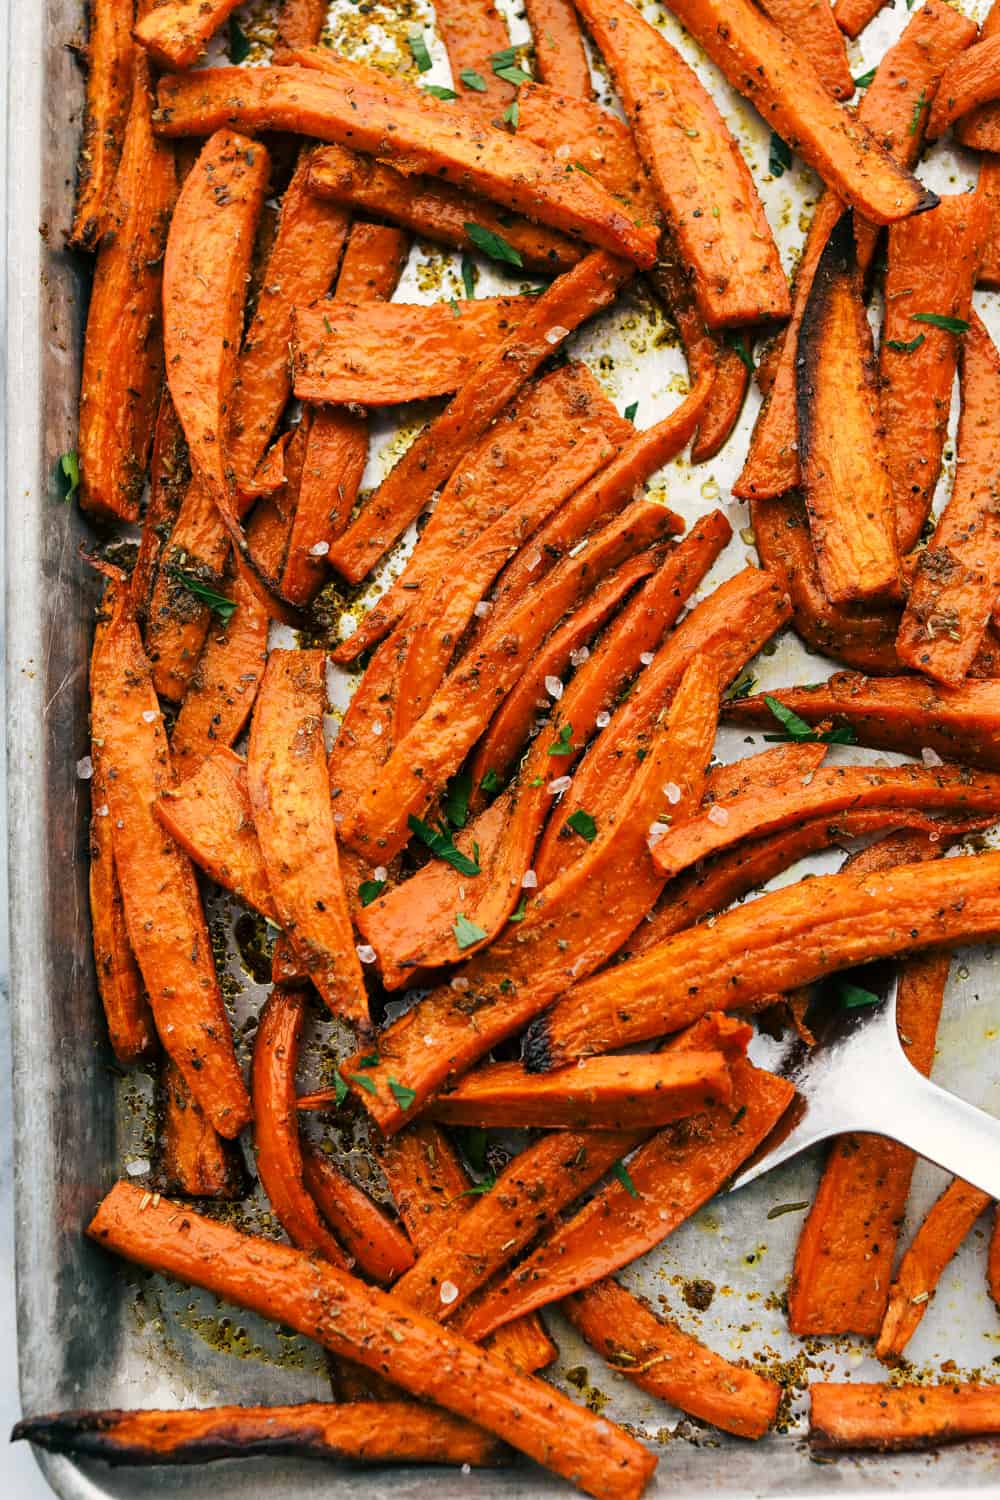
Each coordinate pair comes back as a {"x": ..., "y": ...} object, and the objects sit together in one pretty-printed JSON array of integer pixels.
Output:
[{"x": 93, "y": 1332}]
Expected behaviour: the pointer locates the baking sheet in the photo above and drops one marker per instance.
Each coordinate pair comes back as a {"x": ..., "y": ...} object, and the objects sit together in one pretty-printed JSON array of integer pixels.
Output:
[{"x": 93, "y": 1332}]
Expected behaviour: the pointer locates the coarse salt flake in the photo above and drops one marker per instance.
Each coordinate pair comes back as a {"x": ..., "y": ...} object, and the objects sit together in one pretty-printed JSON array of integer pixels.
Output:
[
  {"x": 137, "y": 1168},
  {"x": 556, "y": 334},
  {"x": 672, "y": 792},
  {"x": 448, "y": 1292},
  {"x": 319, "y": 549},
  {"x": 554, "y": 687},
  {"x": 380, "y": 873},
  {"x": 482, "y": 608},
  {"x": 560, "y": 784},
  {"x": 575, "y": 551},
  {"x": 930, "y": 757},
  {"x": 579, "y": 656},
  {"x": 529, "y": 880},
  {"x": 718, "y": 815},
  {"x": 657, "y": 831},
  {"x": 377, "y": 728},
  {"x": 102, "y": 811},
  {"x": 603, "y": 719},
  {"x": 646, "y": 658},
  {"x": 366, "y": 953},
  {"x": 85, "y": 768},
  {"x": 150, "y": 716},
  {"x": 533, "y": 561},
  {"x": 460, "y": 983}
]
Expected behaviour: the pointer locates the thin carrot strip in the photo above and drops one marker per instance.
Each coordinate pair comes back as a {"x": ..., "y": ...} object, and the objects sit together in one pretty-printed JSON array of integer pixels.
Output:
[
  {"x": 784, "y": 939},
  {"x": 560, "y": 56},
  {"x": 852, "y": 16},
  {"x": 360, "y": 1322},
  {"x": 523, "y": 1344},
  {"x": 367, "y": 1432},
  {"x": 169, "y": 476},
  {"x": 329, "y": 98},
  {"x": 163, "y": 914},
  {"x": 587, "y": 133},
  {"x": 221, "y": 692},
  {"x": 993, "y": 1262},
  {"x": 378, "y": 1246},
  {"x": 193, "y": 1159},
  {"x": 123, "y": 347},
  {"x": 177, "y": 622},
  {"x": 290, "y": 797},
  {"x": 300, "y": 23},
  {"x": 662, "y": 1359},
  {"x": 474, "y": 34},
  {"x": 971, "y": 80},
  {"x": 367, "y": 735},
  {"x": 437, "y": 211},
  {"x": 896, "y": 713},
  {"x": 921, "y": 1268},
  {"x": 696, "y": 167},
  {"x": 561, "y": 937},
  {"x": 988, "y": 189},
  {"x": 979, "y": 130},
  {"x": 890, "y": 1419},
  {"x": 810, "y": 25},
  {"x": 444, "y": 443},
  {"x": 210, "y": 817},
  {"x": 270, "y": 526},
  {"x": 175, "y": 32},
  {"x": 110, "y": 61}
]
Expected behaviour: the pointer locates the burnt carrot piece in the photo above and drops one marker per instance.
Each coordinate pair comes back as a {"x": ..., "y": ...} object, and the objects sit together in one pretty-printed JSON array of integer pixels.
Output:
[
  {"x": 979, "y": 130},
  {"x": 169, "y": 476},
  {"x": 852, "y": 16},
  {"x": 891, "y": 1419},
  {"x": 276, "y": 1127},
  {"x": 585, "y": 132},
  {"x": 561, "y": 936},
  {"x": 350, "y": 104},
  {"x": 932, "y": 266},
  {"x": 300, "y": 23},
  {"x": 845, "y": 480},
  {"x": 560, "y": 56},
  {"x": 772, "y": 73},
  {"x": 696, "y": 167},
  {"x": 896, "y": 713},
  {"x": 726, "y": 629},
  {"x": 668, "y": 1179},
  {"x": 377, "y": 1246},
  {"x": 193, "y": 1159},
  {"x": 360, "y": 1322},
  {"x": 123, "y": 347},
  {"x": 474, "y": 34},
  {"x": 957, "y": 579},
  {"x": 378, "y": 355},
  {"x": 444, "y": 443},
  {"x": 221, "y": 692},
  {"x": 110, "y": 62},
  {"x": 605, "y": 1093},
  {"x": 436, "y": 211},
  {"x": 290, "y": 797},
  {"x": 163, "y": 914},
  {"x": 926, "y": 1257},
  {"x": 210, "y": 817},
  {"x": 337, "y": 445},
  {"x": 359, "y": 1431},
  {"x": 662, "y": 1359},
  {"x": 175, "y": 32},
  {"x": 810, "y": 25},
  {"x": 782, "y": 940},
  {"x": 971, "y": 80}
]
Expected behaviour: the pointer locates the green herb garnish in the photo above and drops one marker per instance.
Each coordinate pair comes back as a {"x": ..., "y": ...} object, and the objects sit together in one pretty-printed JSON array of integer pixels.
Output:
[
  {"x": 467, "y": 933},
  {"x": 620, "y": 1171},
  {"x": 918, "y": 110},
  {"x": 370, "y": 1060},
  {"x": 786, "y": 1208},
  {"x": 738, "y": 343},
  {"x": 404, "y": 1097},
  {"x": 370, "y": 890},
  {"x": 239, "y": 42},
  {"x": 631, "y": 410},
  {"x": 68, "y": 476},
  {"x": 340, "y": 1089},
  {"x": 490, "y": 782},
  {"x": 941, "y": 320},
  {"x": 779, "y": 157},
  {"x": 899, "y": 347},
  {"x": 853, "y": 997},
  {"x": 737, "y": 1117},
  {"x": 436, "y": 91},
  {"x": 512, "y": 114},
  {"x": 441, "y": 844},
  {"x": 802, "y": 733},
  {"x": 223, "y": 607},
  {"x": 473, "y": 80},
  {"x": 506, "y": 66},
  {"x": 582, "y": 823},
  {"x": 741, "y": 688},
  {"x": 562, "y": 744},
  {"x": 469, "y": 276},
  {"x": 456, "y": 801},
  {"x": 418, "y": 47},
  {"x": 521, "y": 911},
  {"x": 363, "y": 1081},
  {"x": 864, "y": 80},
  {"x": 473, "y": 1140},
  {"x": 487, "y": 1185},
  {"x": 492, "y": 244}
]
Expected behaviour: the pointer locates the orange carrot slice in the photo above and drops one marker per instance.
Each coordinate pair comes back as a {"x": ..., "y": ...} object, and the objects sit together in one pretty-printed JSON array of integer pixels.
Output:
[
  {"x": 980, "y": 128},
  {"x": 810, "y": 25},
  {"x": 560, "y": 56},
  {"x": 476, "y": 40},
  {"x": 584, "y": 132},
  {"x": 890, "y": 1419},
  {"x": 378, "y": 1247},
  {"x": 971, "y": 80},
  {"x": 993, "y": 1263},
  {"x": 852, "y": 16},
  {"x": 221, "y": 692},
  {"x": 988, "y": 189},
  {"x": 300, "y": 23},
  {"x": 193, "y": 1159},
  {"x": 175, "y": 33},
  {"x": 110, "y": 59}
]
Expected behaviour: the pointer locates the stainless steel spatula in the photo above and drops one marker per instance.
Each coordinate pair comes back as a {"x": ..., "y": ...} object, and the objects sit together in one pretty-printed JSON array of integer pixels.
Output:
[{"x": 858, "y": 1078}]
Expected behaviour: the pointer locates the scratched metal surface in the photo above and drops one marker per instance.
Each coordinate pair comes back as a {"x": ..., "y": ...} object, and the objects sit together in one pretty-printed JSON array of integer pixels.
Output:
[{"x": 95, "y": 1333}]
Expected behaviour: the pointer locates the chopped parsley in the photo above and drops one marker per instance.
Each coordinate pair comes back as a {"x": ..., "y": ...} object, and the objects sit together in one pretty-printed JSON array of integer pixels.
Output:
[
  {"x": 223, "y": 607},
  {"x": 473, "y": 80},
  {"x": 340, "y": 1089},
  {"x": 363, "y": 1081},
  {"x": 441, "y": 844},
  {"x": 941, "y": 320},
  {"x": 404, "y": 1097},
  {"x": 370, "y": 1060},
  {"x": 490, "y": 782},
  {"x": 68, "y": 476},
  {"x": 487, "y": 1185},
  {"x": 370, "y": 890},
  {"x": 631, "y": 410},
  {"x": 436, "y": 91},
  {"x": 865, "y": 79},
  {"x": 239, "y": 42},
  {"x": 738, "y": 343},
  {"x": 741, "y": 688},
  {"x": 456, "y": 801},
  {"x": 418, "y": 47},
  {"x": 469, "y": 276},
  {"x": 512, "y": 114},
  {"x": 467, "y": 933},
  {"x": 505, "y": 66},
  {"x": 801, "y": 733},
  {"x": 563, "y": 742},
  {"x": 853, "y": 997},
  {"x": 492, "y": 244},
  {"x": 620, "y": 1171},
  {"x": 918, "y": 109},
  {"x": 779, "y": 157},
  {"x": 582, "y": 823},
  {"x": 899, "y": 347},
  {"x": 521, "y": 912}
]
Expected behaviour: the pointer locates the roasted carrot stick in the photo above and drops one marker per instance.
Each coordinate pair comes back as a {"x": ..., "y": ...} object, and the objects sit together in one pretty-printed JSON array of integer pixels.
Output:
[
  {"x": 398, "y": 351},
  {"x": 355, "y": 106},
  {"x": 810, "y": 25},
  {"x": 163, "y": 914},
  {"x": 193, "y": 1159},
  {"x": 896, "y": 713},
  {"x": 378, "y": 1247},
  {"x": 890, "y": 1419},
  {"x": 337, "y": 441},
  {"x": 560, "y": 56},
  {"x": 662, "y": 1359},
  {"x": 993, "y": 1262},
  {"x": 177, "y": 621},
  {"x": 368, "y": 1432},
  {"x": 474, "y": 34},
  {"x": 438, "y": 211},
  {"x": 427, "y": 1180},
  {"x": 123, "y": 348},
  {"x": 176, "y": 31},
  {"x": 169, "y": 476},
  {"x": 221, "y": 692},
  {"x": 784, "y": 939},
  {"x": 300, "y": 23},
  {"x": 980, "y": 128},
  {"x": 585, "y": 132},
  {"x": 110, "y": 60},
  {"x": 957, "y": 579},
  {"x": 696, "y": 167},
  {"x": 920, "y": 1270},
  {"x": 664, "y": 1183},
  {"x": 210, "y": 817},
  {"x": 290, "y": 797},
  {"x": 988, "y": 189},
  {"x": 971, "y": 80},
  {"x": 520, "y": 973},
  {"x": 444, "y": 443},
  {"x": 362, "y": 1323},
  {"x": 852, "y": 16}
]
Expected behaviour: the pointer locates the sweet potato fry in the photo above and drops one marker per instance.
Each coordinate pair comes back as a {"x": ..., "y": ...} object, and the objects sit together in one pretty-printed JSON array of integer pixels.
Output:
[
  {"x": 365, "y": 1432},
  {"x": 772, "y": 73},
  {"x": 177, "y": 621},
  {"x": 662, "y": 1359},
  {"x": 300, "y": 24},
  {"x": 695, "y": 166},
  {"x": 356, "y": 106},
  {"x": 444, "y": 443},
  {"x": 993, "y": 1261},
  {"x": 841, "y": 445},
  {"x": 123, "y": 347},
  {"x": 560, "y": 56},
  {"x": 932, "y": 266},
  {"x": 166, "y": 926},
  {"x": 971, "y": 80},
  {"x": 193, "y": 1158},
  {"x": 890, "y": 1419},
  {"x": 852, "y": 16},
  {"x": 584, "y": 132},
  {"x": 474, "y": 34},
  {"x": 221, "y": 692},
  {"x": 957, "y": 579},
  {"x": 427, "y": 1180},
  {"x": 289, "y": 794},
  {"x": 920, "y": 1270},
  {"x": 783, "y": 939},
  {"x": 520, "y": 973},
  {"x": 810, "y": 25},
  {"x": 896, "y": 713},
  {"x": 110, "y": 60},
  {"x": 988, "y": 189},
  {"x": 664, "y": 1183},
  {"x": 174, "y": 32},
  {"x": 211, "y": 819},
  {"x": 378, "y": 1246},
  {"x": 359, "y": 1322},
  {"x": 436, "y": 211},
  {"x": 979, "y": 130},
  {"x": 169, "y": 476}
]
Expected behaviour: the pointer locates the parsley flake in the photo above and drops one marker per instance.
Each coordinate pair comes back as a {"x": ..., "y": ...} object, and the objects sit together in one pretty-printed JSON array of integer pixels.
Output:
[
  {"x": 521, "y": 911},
  {"x": 239, "y": 42},
  {"x": 512, "y": 114},
  {"x": 918, "y": 110},
  {"x": 738, "y": 343},
  {"x": 370, "y": 1060},
  {"x": 370, "y": 890},
  {"x": 441, "y": 844},
  {"x": 340, "y": 1089},
  {"x": 469, "y": 276},
  {"x": 620, "y": 1171},
  {"x": 941, "y": 320},
  {"x": 68, "y": 476},
  {"x": 418, "y": 48},
  {"x": 436, "y": 91},
  {"x": 363, "y": 1081},
  {"x": 456, "y": 801},
  {"x": 492, "y": 244},
  {"x": 467, "y": 933},
  {"x": 582, "y": 823},
  {"x": 563, "y": 742},
  {"x": 223, "y": 607},
  {"x": 404, "y": 1097},
  {"x": 899, "y": 347},
  {"x": 801, "y": 733},
  {"x": 864, "y": 80},
  {"x": 473, "y": 80},
  {"x": 490, "y": 782},
  {"x": 853, "y": 997},
  {"x": 779, "y": 157},
  {"x": 741, "y": 688},
  {"x": 487, "y": 1185},
  {"x": 631, "y": 410}
]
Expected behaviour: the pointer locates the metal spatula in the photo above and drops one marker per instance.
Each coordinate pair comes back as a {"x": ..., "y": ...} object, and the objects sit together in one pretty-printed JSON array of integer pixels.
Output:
[{"x": 858, "y": 1078}]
